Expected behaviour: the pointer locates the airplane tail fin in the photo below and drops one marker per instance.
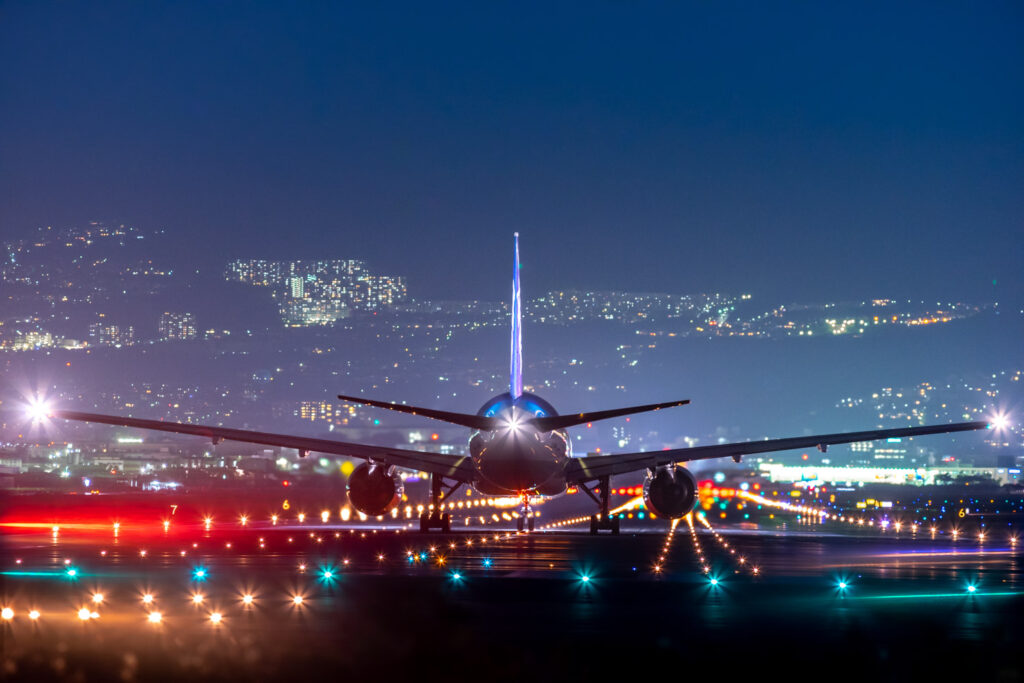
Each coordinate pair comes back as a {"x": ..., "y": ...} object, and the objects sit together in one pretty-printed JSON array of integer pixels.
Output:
[{"x": 516, "y": 365}]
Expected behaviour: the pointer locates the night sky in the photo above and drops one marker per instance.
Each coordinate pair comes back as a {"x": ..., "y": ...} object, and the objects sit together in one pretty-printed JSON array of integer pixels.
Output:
[{"x": 805, "y": 150}]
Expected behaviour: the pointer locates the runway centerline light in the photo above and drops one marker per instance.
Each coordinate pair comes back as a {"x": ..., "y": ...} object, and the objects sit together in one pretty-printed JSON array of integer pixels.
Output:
[
  {"x": 247, "y": 599},
  {"x": 197, "y": 598},
  {"x": 154, "y": 617},
  {"x": 33, "y": 614},
  {"x": 97, "y": 598},
  {"x": 147, "y": 599},
  {"x": 216, "y": 617},
  {"x": 7, "y": 613},
  {"x": 84, "y": 614},
  {"x": 297, "y": 599}
]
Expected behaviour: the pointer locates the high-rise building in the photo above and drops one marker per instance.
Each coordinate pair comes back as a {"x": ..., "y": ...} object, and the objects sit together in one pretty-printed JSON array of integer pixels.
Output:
[
  {"x": 105, "y": 334},
  {"x": 177, "y": 327}
]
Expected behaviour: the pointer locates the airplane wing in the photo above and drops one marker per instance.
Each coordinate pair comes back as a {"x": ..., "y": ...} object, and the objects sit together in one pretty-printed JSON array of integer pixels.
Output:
[
  {"x": 596, "y": 466},
  {"x": 451, "y": 466}
]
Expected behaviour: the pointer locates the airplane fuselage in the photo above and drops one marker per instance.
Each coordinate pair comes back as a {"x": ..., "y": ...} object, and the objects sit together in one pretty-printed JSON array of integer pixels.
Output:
[{"x": 518, "y": 458}]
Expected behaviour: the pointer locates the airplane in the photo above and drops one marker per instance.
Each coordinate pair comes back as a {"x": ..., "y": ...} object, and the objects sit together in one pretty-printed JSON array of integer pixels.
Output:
[{"x": 518, "y": 446}]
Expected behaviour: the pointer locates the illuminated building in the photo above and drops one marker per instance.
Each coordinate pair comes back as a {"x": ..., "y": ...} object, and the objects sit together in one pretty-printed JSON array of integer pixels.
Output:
[
  {"x": 177, "y": 327},
  {"x": 812, "y": 475},
  {"x": 105, "y": 334}
]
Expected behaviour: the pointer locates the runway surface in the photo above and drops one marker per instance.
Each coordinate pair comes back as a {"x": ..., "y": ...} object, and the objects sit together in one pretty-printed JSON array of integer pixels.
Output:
[{"x": 389, "y": 603}]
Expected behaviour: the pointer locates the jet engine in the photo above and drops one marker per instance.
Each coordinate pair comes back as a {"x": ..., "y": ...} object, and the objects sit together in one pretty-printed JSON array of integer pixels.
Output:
[
  {"x": 374, "y": 489},
  {"x": 670, "y": 492}
]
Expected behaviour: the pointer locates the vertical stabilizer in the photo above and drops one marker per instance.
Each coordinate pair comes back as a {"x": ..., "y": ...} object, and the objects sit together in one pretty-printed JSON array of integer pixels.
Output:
[{"x": 516, "y": 379}]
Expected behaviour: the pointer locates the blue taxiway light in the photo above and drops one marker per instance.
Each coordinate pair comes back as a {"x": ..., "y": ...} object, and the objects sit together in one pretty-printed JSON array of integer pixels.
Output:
[{"x": 487, "y": 562}]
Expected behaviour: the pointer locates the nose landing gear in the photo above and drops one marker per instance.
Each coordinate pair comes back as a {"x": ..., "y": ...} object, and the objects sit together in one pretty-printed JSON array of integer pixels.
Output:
[{"x": 525, "y": 520}]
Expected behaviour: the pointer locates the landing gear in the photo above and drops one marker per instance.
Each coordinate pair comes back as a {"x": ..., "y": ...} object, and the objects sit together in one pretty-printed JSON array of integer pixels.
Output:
[
  {"x": 434, "y": 519},
  {"x": 521, "y": 523},
  {"x": 604, "y": 520}
]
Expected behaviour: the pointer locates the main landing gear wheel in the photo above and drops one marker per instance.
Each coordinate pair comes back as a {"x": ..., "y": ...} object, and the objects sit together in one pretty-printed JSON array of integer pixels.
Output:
[
  {"x": 529, "y": 523},
  {"x": 435, "y": 521},
  {"x": 520, "y": 523}
]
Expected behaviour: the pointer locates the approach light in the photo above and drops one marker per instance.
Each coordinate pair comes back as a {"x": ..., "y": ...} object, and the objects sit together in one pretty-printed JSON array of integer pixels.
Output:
[
  {"x": 154, "y": 617},
  {"x": 7, "y": 613},
  {"x": 197, "y": 598},
  {"x": 297, "y": 599},
  {"x": 147, "y": 599},
  {"x": 97, "y": 598},
  {"x": 84, "y": 614},
  {"x": 216, "y": 617},
  {"x": 33, "y": 614},
  {"x": 246, "y": 599}
]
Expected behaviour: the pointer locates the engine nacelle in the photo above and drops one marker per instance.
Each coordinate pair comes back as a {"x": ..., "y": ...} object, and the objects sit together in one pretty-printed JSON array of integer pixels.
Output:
[
  {"x": 671, "y": 492},
  {"x": 374, "y": 489}
]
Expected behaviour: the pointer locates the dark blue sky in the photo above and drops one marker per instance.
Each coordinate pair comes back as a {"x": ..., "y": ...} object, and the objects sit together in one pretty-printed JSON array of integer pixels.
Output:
[{"x": 806, "y": 150}]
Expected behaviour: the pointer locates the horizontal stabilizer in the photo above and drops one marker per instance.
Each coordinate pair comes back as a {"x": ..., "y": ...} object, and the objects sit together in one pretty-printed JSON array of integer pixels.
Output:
[
  {"x": 463, "y": 419},
  {"x": 546, "y": 424}
]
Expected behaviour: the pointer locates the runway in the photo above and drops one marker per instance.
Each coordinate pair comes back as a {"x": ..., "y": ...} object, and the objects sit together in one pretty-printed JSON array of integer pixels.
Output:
[{"x": 349, "y": 599}]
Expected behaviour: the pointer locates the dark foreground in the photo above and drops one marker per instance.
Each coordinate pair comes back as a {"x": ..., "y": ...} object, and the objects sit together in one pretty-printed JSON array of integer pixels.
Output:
[{"x": 536, "y": 607}]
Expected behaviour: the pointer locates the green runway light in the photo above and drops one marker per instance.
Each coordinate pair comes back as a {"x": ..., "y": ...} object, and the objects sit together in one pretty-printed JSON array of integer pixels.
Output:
[
  {"x": 929, "y": 596},
  {"x": 39, "y": 573}
]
